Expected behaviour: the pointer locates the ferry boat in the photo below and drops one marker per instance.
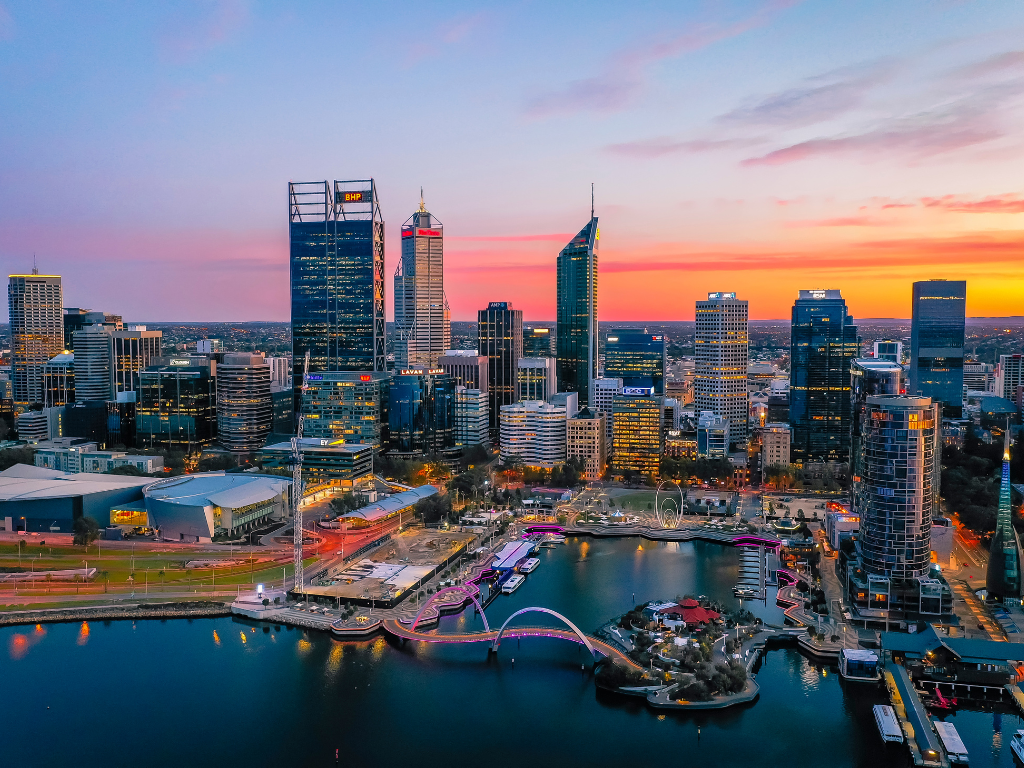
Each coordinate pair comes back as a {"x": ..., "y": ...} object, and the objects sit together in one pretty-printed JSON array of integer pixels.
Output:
[
  {"x": 1017, "y": 745},
  {"x": 888, "y": 725},
  {"x": 952, "y": 743},
  {"x": 513, "y": 584},
  {"x": 529, "y": 564},
  {"x": 859, "y": 665},
  {"x": 745, "y": 593}
]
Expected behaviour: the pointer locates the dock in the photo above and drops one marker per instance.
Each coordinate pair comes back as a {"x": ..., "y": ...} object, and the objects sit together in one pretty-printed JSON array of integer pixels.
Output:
[{"x": 925, "y": 749}]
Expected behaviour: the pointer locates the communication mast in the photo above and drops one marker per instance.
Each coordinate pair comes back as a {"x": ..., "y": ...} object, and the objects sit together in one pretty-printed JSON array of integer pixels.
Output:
[{"x": 297, "y": 484}]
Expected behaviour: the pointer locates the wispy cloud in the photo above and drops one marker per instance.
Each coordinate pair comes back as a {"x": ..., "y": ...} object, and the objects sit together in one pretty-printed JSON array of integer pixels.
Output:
[
  {"x": 625, "y": 73},
  {"x": 660, "y": 146},
  {"x": 966, "y": 122},
  {"x": 842, "y": 221},
  {"x": 992, "y": 204},
  {"x": 444, "y": 34},
  {"x": 564, "y": 237},
  {"x": 816, "y": 99},
  {"x": 1000, "y": 63},
  {"x": 188, "y": 38}
]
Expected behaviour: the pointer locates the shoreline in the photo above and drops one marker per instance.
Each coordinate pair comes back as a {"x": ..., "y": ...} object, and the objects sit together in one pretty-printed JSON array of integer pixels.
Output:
[{"x": 174, "y": 610}]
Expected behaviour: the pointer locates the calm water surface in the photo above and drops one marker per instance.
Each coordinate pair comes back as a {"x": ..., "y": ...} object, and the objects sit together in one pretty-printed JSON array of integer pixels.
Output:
[{"x": 212, "y": 692}]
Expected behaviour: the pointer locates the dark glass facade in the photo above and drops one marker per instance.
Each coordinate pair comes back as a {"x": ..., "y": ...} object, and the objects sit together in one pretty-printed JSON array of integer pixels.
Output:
[
  {"x": 576, "y": 333},
  {"x": 337, "y": 277},
  {"x": 538, "y": 342},
  {"x": 899, "y": 468},
  {"x": 824, "y": 341},
  {"x": 421, "y": 414},
  {"x": 177, "y": 408},
  {"x": 500, "y": 340},
  {"x": 937, "y": 342},
  {"x": 637, "y": 357},
  {"x": 868, "y": 376}
]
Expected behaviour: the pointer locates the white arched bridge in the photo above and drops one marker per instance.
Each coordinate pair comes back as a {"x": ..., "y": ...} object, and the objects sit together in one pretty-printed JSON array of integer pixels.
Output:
[{"x": 571, "y": 632}]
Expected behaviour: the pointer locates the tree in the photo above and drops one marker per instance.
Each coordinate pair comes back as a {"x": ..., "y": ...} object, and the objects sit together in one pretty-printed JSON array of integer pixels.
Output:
[
  {"x": 12, "y": 456},
  {"x": 86, "y": 531},
  {"x": 127, "y": 469},
  {"x": 433, "y": 509},
  {"x": 217, "y": 462}
]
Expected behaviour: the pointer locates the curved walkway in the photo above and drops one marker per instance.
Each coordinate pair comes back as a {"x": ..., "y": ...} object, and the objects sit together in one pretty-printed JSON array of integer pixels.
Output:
[
  {"x": 395, "y": 629},
  {"x": 737, "y": 538}
]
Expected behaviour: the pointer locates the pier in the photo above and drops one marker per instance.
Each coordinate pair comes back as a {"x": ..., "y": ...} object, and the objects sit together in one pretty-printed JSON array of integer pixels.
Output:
[{"x": 925, "y": 749}]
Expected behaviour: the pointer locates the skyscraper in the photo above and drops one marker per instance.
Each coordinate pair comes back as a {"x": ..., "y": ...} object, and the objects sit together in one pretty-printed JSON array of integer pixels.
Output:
[
  {"x": 337, "y": 277},
  {"x": 937, "y": 342},
  {"x": 94, "y": 363},
  {"x": 134, "y": 346},
  {"x": 536, "y": 378},
  {"x": 422, "y": 318},
  {"x": 500, "y": 340},
  {"x": 244, "y": 406},
  {"x": 538, "y": 341},
  {"x": 576, "y": 333},
  {"x": 823, "y": 342},
  {"x": 636, "y": 432},
  {"x": 720, "y": 367},
  {"x": 636, "y": 356},
  {"x": 868, "y": 377},
  {"x": 1003, "y": 578},
  {"x": 421, "y": 414},
  {"x": 36, "y": 305}
]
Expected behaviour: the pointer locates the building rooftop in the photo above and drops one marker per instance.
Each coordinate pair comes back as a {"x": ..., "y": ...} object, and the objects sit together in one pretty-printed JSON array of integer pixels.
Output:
[
  {"x": 219, "y": 489},
  {"x": 317, "y": 444},
  {"x": 23, "y": 481},
  {"x": 971, "y": 650},
  {"x": 392, "y": 504}
]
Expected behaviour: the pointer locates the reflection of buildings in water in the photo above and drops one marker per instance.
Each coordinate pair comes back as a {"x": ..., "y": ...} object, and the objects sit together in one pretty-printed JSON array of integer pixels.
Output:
[{"x": 997, "y": 734}]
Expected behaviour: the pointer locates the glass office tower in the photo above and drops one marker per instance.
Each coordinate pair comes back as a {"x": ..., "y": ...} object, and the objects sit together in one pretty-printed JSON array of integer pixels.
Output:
[
  {"x": 824, "y": 341},
  {"x": 177, "y": 407},
  {"x": 637, "y": 357},
  {"x": 421, "y": 414},
  {"x": 538, "y": 341},
  {"x": 576, "y": 331},
  {"x": 500, "y": 340},
  {"x": 937, "y": 342},
  {"x": 337, "y": 277},
  {"x": 422, "y": 318},
  {"x": 868, "y": 376},
  {"x": 721, "y": 352}
]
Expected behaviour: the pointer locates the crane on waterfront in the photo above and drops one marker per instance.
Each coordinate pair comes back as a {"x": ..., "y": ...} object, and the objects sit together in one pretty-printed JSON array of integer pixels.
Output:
[{"x": 297, "y": 482}]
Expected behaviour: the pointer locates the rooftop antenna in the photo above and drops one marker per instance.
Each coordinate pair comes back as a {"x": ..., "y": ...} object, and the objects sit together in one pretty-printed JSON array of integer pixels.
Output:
[
  {"x": 35, "y": 267},
  {"x": 422, "y": 207},
  {"x": 591, "y": 199}
]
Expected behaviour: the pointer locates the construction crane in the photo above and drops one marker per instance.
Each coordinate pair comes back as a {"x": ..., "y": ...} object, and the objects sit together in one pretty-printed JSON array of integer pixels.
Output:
[{"x": 297, "y": 483}]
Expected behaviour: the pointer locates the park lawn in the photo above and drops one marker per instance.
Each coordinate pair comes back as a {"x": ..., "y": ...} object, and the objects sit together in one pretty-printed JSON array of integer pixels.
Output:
[{"x": 636, "y": 501}]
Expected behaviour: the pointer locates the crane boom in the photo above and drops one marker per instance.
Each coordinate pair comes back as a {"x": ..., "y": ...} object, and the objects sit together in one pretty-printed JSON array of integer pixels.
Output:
[{"x": 297, "y": 488}]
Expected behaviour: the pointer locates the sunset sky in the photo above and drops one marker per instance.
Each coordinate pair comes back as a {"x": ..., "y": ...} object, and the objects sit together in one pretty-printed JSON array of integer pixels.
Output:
[{"x": 756, "y": 147}]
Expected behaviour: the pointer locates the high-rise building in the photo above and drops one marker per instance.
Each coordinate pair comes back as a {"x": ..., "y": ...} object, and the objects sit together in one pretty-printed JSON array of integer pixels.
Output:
[
  {"x": 636, "y": 356},
  {"x": 94, "y": 363},
  {"x": 134, "y": 347},
  {"x": 282, "y": 403},
  {"x": 534, "y": 431},
  {"x": 576, "y": 330},
  {"x": 467, "y": 366},
  {"x": 471, "y": 427},
  {"x": 886, "y": 349},
  {"x": 208, "y": 346},
  {"x": 422, "y": 318},
  {"x": 538, "y": 341},
  {"x": 337, "y": 277},
  {"x": 720, "y": 366},
  {"x": 500, "y": 337},
  {"x": 244, "y": 407},
  {"x": 177, "y": 404},
  {"x": 586, "y": 439},
  {"x": 979, "y": 377},
  {"x": 536, "y": 378},
  {"x": 1003, "y": 579},
  {"x": 76, "y": 318},
  {"x": 605, "y": 391},
  {"x": 280, "y": 371},
  {"x": 421, "y": 414},
  {"x": 1010, "y": 376},
  {"x": 900, "y": 475},
  {"x": 636, "y": 432},
  {"x": 347, "y": 406},
  {"x": 823, "y": 342},
  {"x": 35, "y": 303},
  {"x": 59, "y": 380},
  {"x": 937, "y": 342}
]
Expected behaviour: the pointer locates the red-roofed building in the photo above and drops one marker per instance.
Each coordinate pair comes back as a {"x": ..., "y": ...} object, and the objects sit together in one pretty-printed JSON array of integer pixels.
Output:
[{"x": 691, "y": 612}]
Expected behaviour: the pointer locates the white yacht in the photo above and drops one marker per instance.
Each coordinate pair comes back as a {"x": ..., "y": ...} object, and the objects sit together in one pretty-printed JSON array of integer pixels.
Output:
[
  {"x": 1017, "y": 745},
  {"x": 513, "y": 584},
  {"x": 888, "y": 724},
  {"x": 529, "y": 564}
]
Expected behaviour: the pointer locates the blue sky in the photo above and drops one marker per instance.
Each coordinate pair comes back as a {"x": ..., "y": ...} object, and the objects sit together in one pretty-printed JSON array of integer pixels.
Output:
[{"x": 756, "y": 146}]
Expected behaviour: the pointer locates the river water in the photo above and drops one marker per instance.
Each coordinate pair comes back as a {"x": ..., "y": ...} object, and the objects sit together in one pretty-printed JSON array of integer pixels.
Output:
[{"x": 220, "y": 692}]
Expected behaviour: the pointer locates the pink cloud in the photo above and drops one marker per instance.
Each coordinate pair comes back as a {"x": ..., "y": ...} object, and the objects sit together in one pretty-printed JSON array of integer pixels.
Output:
[
  {"x": 993, "y": 204},
  {"x": 663, "y": 145},
  {"x": 512, "y": 238},
  {"x": 624, "y": 74},
  {"x": 842, "y": 221},
  {"x": 188, "y": 38}
]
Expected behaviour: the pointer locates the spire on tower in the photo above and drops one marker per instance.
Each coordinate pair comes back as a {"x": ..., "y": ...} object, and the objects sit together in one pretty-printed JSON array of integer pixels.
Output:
[
  {"x": 35, "y": 266},
  {"x": 591, "y": 199},
  {"x": 423, "y": 208}
]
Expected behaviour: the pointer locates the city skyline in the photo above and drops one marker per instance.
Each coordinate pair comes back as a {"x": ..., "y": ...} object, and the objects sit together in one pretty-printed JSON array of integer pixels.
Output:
[{"x": 862, "y": 160}]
